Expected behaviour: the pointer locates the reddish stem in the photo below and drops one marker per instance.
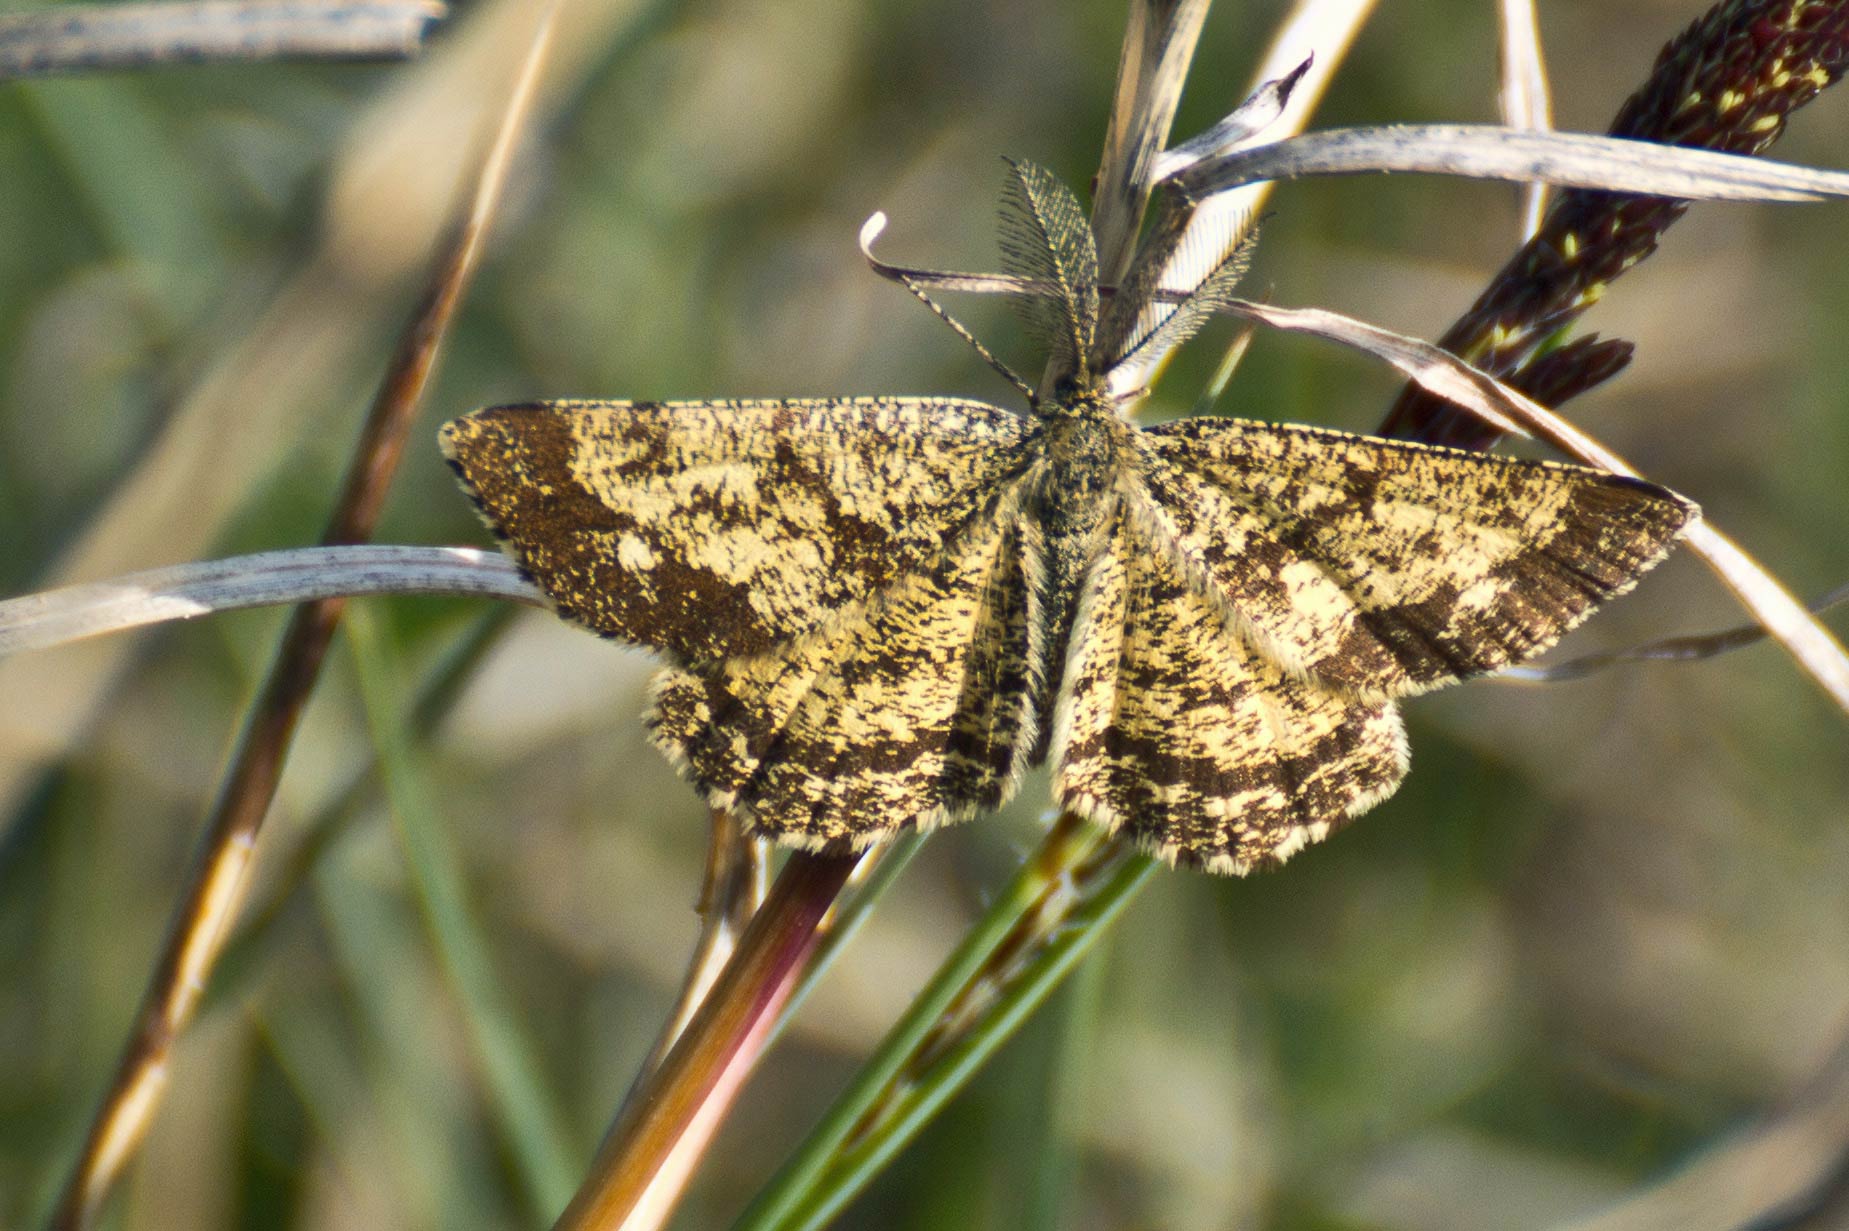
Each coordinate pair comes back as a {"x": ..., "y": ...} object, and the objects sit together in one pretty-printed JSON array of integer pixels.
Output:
[{"x": 654, "y": 1142}]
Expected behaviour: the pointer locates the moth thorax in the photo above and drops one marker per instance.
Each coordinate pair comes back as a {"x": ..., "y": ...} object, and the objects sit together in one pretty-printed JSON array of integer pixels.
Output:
[{"x": 1082, "y": 449}]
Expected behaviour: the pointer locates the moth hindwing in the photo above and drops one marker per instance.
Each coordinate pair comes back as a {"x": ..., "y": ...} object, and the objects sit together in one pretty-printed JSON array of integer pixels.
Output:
[{"x": 877, "y": 612}]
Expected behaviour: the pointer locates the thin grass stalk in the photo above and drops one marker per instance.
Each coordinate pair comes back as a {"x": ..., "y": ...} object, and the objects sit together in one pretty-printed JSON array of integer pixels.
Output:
[
  {"x": 518, "y": 1096},
  {"x": 730, "y": 892},
  {"x": 878, "y": 870},
  {"x": 1525, "y": 99},
  {"x": 1321, "y": 31},
  {"x": 1158, "y": 47},
  {"x": 1120, "y": 874},
  {"x": 1066, "y": 1069},
  {"x": 217, "y": 885},
  {"x": 650, "y": 1150},
  {"x": 788, "y": 1190},
  {"x": 1690, "y": 647},
  {"x": 875, "y": 872}
]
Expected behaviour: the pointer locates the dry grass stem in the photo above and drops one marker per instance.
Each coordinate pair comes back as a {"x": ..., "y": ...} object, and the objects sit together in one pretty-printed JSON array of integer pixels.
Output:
[
  {"x": 1316, "y": 32},
  {"x": 1525, "y": 99},
  {"x": 645, "y": 1160},
  {"x": 1691, "y": 647},
  {"x": 266, "y": 579},
  {"x": 216, "y": 888},
  {"x": 731, "y": 891},
  {"x": 1158, "y": 48},
  {"x": 79, "y": 38},
  {"x": 392, "y": 190},
  {"x": 1601, "y": 164}
]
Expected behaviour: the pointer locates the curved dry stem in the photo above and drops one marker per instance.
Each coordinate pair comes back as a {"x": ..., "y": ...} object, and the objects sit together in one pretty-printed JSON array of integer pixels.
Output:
[
  {"x": 1317, "y": 31},
  {"x": 219, "y": 879},
  {"x": 266, "y": 579},
  {"x": 1158, "y": 47},
  {"x": 1692, "y": 647}
]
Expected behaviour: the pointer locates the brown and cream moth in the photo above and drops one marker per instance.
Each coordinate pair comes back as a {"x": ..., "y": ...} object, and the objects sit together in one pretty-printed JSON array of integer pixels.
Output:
[{"x": 878, "y": 612}]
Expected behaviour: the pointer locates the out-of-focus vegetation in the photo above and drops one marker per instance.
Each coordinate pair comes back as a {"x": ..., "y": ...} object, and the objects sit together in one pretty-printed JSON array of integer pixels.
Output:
[{"x": 1598, "y": 927}]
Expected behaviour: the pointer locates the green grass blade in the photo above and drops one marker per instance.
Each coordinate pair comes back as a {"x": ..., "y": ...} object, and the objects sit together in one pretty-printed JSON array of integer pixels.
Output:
[
  {"x": 929, "y": 1089},
  {"x": 413, "y": 1107},
  {"x": 526, "y": 1112},
  {"x": 833, "y": 1163},
  {"x": 1066, "y": 1067},
  {"x": 790, "y": 1187}
]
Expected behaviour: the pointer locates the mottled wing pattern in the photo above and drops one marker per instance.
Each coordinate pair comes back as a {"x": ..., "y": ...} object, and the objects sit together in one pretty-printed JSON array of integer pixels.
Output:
[
  {"x": 1386, "y": 568},
  {"x": 716, "y": 529},
  {"x": 1171, "y": 729},
  {"x": 911, "y": 709}
]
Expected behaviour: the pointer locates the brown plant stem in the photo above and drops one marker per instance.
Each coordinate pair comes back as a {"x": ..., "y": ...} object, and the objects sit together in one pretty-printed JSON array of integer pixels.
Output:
[
  {"x": 436, "y": 699},
  {"x": 79, "y": 38},
  {"x": 643, "y": 1161},
  {"x": 730, "y": 893},
  {"x": 220, "y": 876}
]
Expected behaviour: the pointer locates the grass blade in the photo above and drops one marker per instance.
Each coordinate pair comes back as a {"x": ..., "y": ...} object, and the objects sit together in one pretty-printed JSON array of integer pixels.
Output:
[
  {"x": 1492, "y": 152},
  {"x": 526, "y": 1111},
  {"x": 1525, "y": 99},
  {"x": 840, "y": 1154},
  {"x": 1057, "y": 907},
  {"x": 216, "y": 886}
]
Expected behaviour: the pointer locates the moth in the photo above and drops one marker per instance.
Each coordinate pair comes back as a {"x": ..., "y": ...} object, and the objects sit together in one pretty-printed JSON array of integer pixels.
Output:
[{"x": 878, "y": 613}]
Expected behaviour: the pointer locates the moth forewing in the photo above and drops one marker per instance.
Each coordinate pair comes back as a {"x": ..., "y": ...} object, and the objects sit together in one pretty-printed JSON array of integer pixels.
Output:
[{"x": 717, "y": 529}]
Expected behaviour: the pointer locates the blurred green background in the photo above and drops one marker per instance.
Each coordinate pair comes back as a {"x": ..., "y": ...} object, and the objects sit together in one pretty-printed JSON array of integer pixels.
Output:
[{"x": 1600, "y": 926}]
